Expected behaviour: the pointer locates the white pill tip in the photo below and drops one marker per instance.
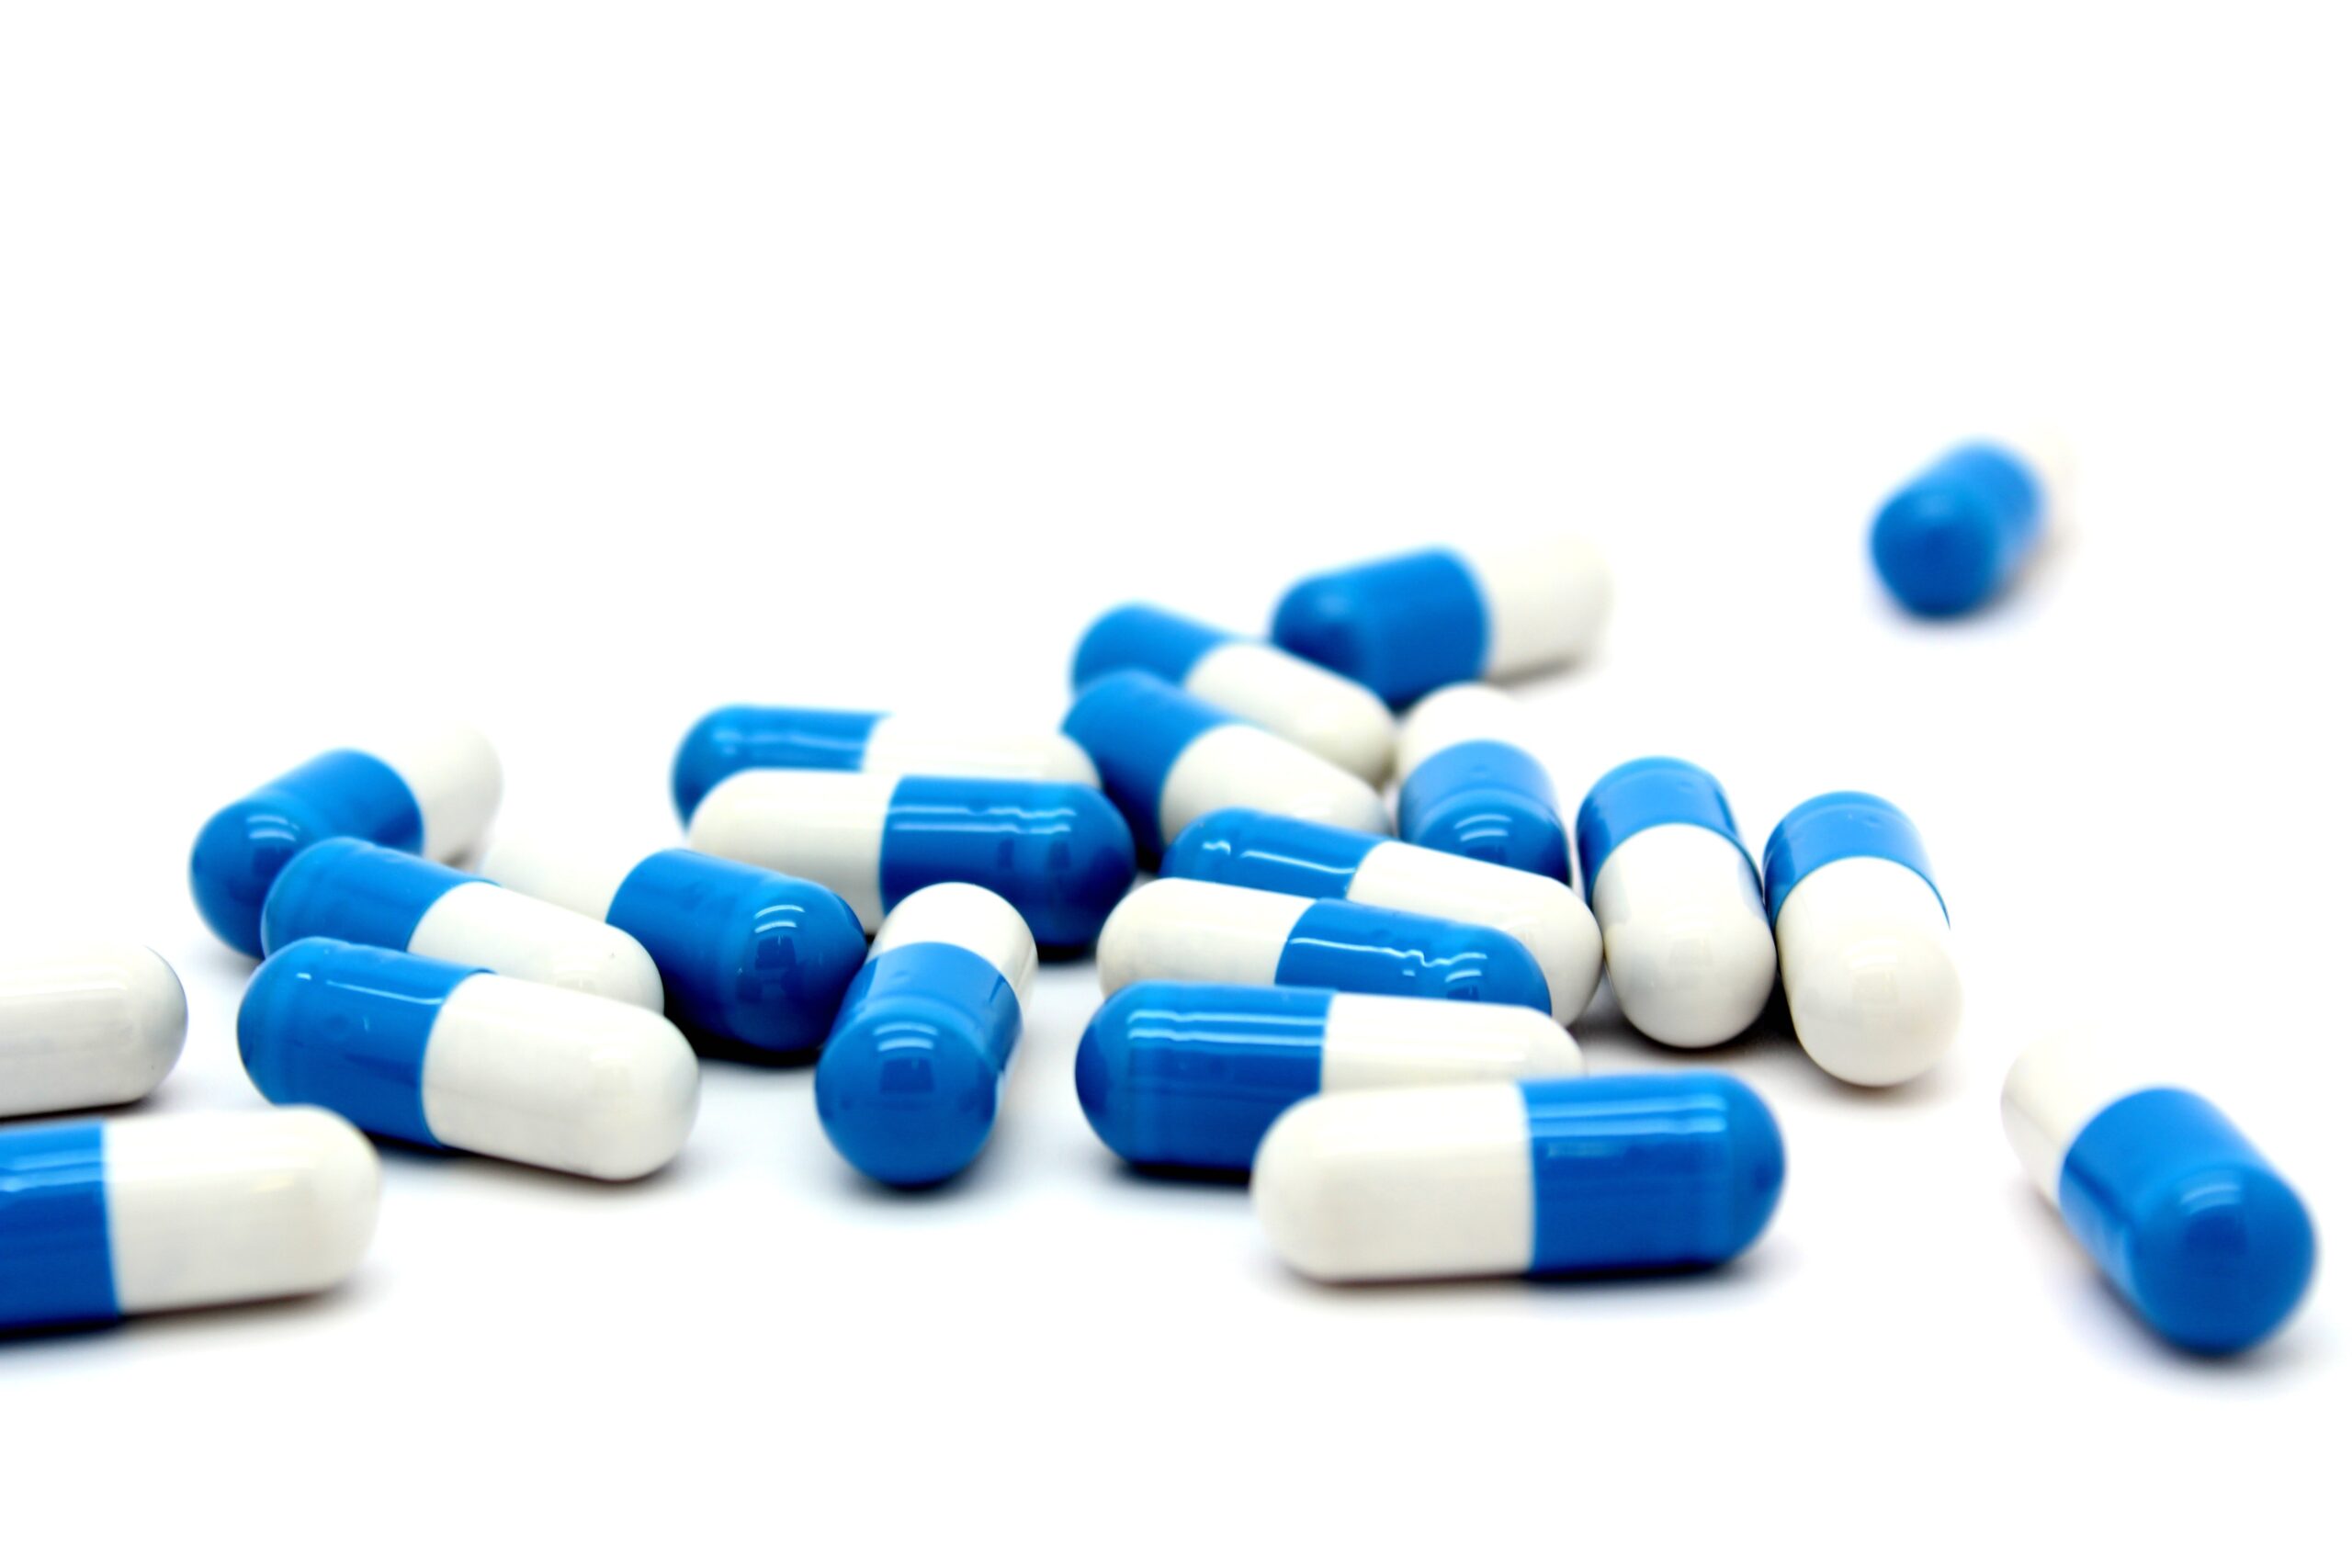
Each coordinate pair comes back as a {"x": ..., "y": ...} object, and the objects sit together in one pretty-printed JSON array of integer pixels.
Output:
[{"x": 85, "y": 1025}]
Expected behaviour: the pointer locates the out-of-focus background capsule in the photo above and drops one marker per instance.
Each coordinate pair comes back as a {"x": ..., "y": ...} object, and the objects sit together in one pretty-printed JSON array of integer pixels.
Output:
[
  {"x": 85, "y": 1025},
  {"x": 1472, "y": 785},
  {"x": 730, "y": 740},
  {"x": 1957, "y": 535}
]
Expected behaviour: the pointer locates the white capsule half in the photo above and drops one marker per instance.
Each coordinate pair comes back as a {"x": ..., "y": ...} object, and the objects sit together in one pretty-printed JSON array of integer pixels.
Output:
[
  {"x": 1178, "y": 930},
  {"x": 1866, "y": 959},
  {"x": 1682, "y": 932},
  {"x": 1547, "y": 601},
  {"x": 942, "y": 748},
  {"x": 453, "y": 772},
  {"x": 85, "y": 1025},
  {"x": 1458, "y": 715},
  {"x": 1239, "y": 764},
  {"x": 1330, "y": 715},
  {"x": 1395, "y": 1041}
]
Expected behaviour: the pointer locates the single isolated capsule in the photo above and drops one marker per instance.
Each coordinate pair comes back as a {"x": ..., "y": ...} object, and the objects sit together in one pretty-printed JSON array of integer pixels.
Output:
[
  {"x": 102, "y": 1220},
  {"x": 1951, "y": 539},
  {"x": 727, "y": 741},
  {"x": 1865, "y": 944},
  {"x": 2186, "y": 1220},
  {"x": 1406, "y": 625},
  {"x": 1683, "y": 928},
  {"x": 1167, "y": 757},
  {"x": 1313, "y": 860},
  {"x": 1059, "y": 854},
  {"x": 1572, "y": 1176},
  {"x": 1177, "y": 930},
  {"x": 86, "y": 1024},
  {"x": 907, "y": 1088},
  {"x": 1330, "y": 715},
  {"x": 1177, "y": 1074},
  {"x": 432, "y": 795},
  {"x": 746, "y": 955},
  {"x": 1473, "y": 787},
  {"x": 458, "y": 1058},
  {"x": 349, "y": 890}
]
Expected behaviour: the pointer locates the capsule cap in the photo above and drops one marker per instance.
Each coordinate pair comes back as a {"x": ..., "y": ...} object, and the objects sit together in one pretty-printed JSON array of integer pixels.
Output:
[
  {"x": 1487, "y": 800},
  {"x": 1403, "y": 626},
  {"x": 1060, "y": 854},
  {"x": 1950, "y": 540},
  {"x": 1844, "y": 825},
  {"x": 1192, "y": 1075},
  {"x": 56, "y": 1260},
  {"x": 353, "y": 891},
  {"x": 339, "y": 1025},
  {"x": 1361, "y": 947},
  {"x": 1243, "y": 848},
  {"x": 1134, "y": 726},
  {"x": 1648, "y": 793},
  {"x": 240, "y": 851},
  {"x": 1145, "y": 637},
  {"x": 727, "y": 740}
]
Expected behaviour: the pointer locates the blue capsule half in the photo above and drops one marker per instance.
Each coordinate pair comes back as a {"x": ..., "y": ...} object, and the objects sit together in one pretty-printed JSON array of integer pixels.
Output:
[
  {"x": 1490, "y": 801},
  {"x": 1958, "y": 534},
  {"x": 242, "y": 848}
]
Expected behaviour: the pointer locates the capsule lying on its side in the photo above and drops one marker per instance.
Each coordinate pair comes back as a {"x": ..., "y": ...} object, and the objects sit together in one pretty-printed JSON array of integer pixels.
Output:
[
  {"x": 731, "y": 739},
  {"x": 86, "y": 1024},
  {"x": 1960, "y": 532},
  {"x": 432, "y": 795},
  {"x": 1648, "y": 1171},
  {"x": 1865, "y": 944},
  {"x": 102, "y": 1220},
  {"x": 1683, "y": 929},
  {"x": 746, "y": 954},
  {"x": 458, "y": 1058},
  {"x": 907, "y": 1088},
  {"x": 347, "y": 890},
  {"x": 1176, "y": 930},
  {"x": 1187, "y": 1075},
  {"x": 1472, "y": 785},
  {"x": 2184, "y": 1216},
  {"x": 1059, "y": 854}
]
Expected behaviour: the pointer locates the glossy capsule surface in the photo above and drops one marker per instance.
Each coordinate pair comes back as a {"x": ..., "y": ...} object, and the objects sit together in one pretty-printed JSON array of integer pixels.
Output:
[
  {"x": 1473, "y": 787},
  {"x": 1960, "y": 531},
  {"x": 85, "y": 1025},
  {"x": 730, "y": 740}
]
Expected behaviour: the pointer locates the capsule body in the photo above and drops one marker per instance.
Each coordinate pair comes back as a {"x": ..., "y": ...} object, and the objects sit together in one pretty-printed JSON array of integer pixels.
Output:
[
  {"x": 1167, "y": 757},
  {"x": 102, "y": 1220},
  {"x": 907, "y": 1088},
  {"x": 1865, "y": 944},
  {"x": 451, "y": 1057},
  {"x": 348, "y": 890},
  {"x": 745, "y": 955},
  {"x": 1683, "y": 929},
  {"x": 1645, "y": 1171},
  {"x": 86, "y": 1024},
  {"x": 1177, "y": 930},
  {"x": 731, "y": 739},
  {"x": 1473, "y": 787},
  {"x": 432, "y": 795},
  {"x": 1953, "y": 538},
  {"x": 1059, "y": 854}
]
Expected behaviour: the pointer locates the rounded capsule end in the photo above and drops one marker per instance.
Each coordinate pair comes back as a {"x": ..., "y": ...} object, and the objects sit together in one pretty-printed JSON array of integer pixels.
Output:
[
  {"x": 2220, "y": 1257},
  {"x": 237, "y": 860},
  {"x": 1757, "y": 1164},
  {"x": 907, "y": 1094},
  {"x": 778, "y": 983}
]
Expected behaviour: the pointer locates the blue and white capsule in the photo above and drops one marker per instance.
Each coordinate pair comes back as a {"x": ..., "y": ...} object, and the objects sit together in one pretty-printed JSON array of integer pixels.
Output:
[
  {"x": 1314, "y": 859},
  {"x": 1178, "y": 930},
  {"x": 350, "y": 890},
  {"x": 1961, "y": 531},
  {"x": 2184, "y": 1216},
  {"x": 85, "y": 1024},
  {"x": 1683, "y": 929},
  {"x": 1059, "y": 854},
  {"x": 1406, "y": 625},
  {"x": 431, "y": 793},
  {"x": 731, "y": 739},
  {"x": 451, "y": 1057},
  {"x": 1570, "y": 1176},
  {"x": 1473, "y": 787},
  {"x": 1865, "y": 943},
  {"x": 112, "y": 1218},
  {"x": 746, "y": 955},
  {"x": 1339, "y": 721},
  {"x": 1167, "y": 757},
  {"x": 1190, "y": 1076},
  {"x": 908, "y": 1087}
]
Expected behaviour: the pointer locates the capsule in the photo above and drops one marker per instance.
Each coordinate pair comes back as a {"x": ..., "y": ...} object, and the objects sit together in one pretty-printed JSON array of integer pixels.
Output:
[
  {"x": 1407, "y": 624},
  {"x": 1330, "y": 715},
  {"x": 1177, "y": 930},
  {"x": 2184, "y": 1216},
  {"x": 112, "y": 1218},
  {"x": 1167, "y": 757},
  {"x": 1956, "y": 536},
  {"x": 1570, "y": 1176},
  {"x": 458, "y": 1058},
  {"x": 731, "y": 739},
  {"x": 85, "y": 1025},
  {"x": 1185, "y": 1075},
  {"x": 907, "y": 1088},
  {"x": 746, "y": 955},
  {"x": 1314, "y": 859},
  {"x": 1865, "y": 943},
  {"x": 1059, "y": 854},
  {"x": 1683, "y": 928},
  {"x": 432, "y": 795},
  {"x": 349, "y": 890},
  {"x": 1473, "y": 787}
]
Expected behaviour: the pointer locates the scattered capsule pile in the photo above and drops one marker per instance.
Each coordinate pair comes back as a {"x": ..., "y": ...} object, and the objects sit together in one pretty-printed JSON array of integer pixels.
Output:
[{"x": 1368, "y": 1015}]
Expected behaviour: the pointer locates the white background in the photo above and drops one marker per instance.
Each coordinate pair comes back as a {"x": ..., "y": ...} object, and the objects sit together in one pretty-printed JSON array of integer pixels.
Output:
[{"x": 581, "y": 368}]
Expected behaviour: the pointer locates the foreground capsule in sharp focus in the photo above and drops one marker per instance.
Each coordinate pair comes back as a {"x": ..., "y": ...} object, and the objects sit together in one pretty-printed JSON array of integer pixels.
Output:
[
  {"x": 1682, "y": 929},
  {"x": 2188, "y": 1221},
  {"x": 102, "y": 1220},
  {"x": 746, "y": 954},
  {"x": 1561, "y": 1176},
  {"x": 1191, "y": 1076},
  {"x": 1314, "y": 859},
  {"x": 1953, "y": 538},
  {"x": 731, "y": 739},
  {"x": 1059, "y": 854},
  {"x": 1472, "y": 785},
  {"x": 85, "y": 1025},
  {"x": 458, "y": 1058},
  {"x": 347, "y": 890},
  {"x": 432, "y": 795},
  {"x": 1865, "y": 943}
]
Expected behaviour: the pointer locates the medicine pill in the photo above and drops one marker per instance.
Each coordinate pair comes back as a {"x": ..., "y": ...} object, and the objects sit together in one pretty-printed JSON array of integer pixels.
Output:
[
  {"x": 85, "y": 1025},
  {"x": 731, "y": 739},
  {"x": 1954, "y": 537},
  {"x": 1472, "y": 783}
]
